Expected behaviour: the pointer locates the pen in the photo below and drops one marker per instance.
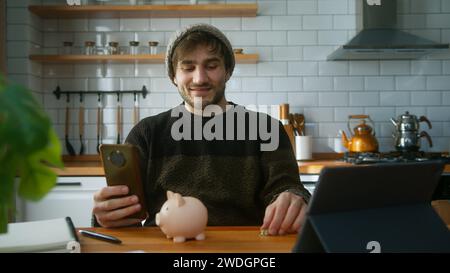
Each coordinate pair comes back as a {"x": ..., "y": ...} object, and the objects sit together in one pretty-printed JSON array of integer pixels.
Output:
[{"x": 100, "y": 236}]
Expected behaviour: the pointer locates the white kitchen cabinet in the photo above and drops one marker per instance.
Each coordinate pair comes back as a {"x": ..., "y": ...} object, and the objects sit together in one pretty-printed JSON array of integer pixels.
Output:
[{"x": 72, "y": 196}]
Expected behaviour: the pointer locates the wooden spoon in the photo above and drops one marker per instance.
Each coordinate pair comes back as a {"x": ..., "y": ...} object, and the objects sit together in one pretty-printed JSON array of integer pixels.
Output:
[
  {"x": 293, "y": 122},
  {"x": 300, "y": 120}
]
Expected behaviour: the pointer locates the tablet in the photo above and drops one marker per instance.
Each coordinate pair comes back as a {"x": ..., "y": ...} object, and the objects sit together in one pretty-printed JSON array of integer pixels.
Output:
[{"x": 381, "y": 208}]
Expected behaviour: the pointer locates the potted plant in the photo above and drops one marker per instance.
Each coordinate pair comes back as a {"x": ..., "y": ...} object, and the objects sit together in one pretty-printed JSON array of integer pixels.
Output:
[{"x": 29, "y": 147}]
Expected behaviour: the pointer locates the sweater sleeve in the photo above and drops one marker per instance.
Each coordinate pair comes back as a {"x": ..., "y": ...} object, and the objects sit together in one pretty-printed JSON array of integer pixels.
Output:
[{"x": 280, "y": 171}]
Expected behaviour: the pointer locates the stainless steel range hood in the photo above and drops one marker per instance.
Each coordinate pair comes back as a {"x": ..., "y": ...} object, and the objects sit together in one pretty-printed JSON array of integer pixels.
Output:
[{"x": 379, "y": 39}]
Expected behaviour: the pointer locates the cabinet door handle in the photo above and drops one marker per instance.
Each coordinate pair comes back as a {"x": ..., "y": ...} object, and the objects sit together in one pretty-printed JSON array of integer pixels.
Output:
[{"x": 67, "y": 184}]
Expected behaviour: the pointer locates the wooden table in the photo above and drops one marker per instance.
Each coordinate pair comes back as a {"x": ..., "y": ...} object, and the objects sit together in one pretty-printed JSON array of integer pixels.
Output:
[{"x": 218, "y": 240}]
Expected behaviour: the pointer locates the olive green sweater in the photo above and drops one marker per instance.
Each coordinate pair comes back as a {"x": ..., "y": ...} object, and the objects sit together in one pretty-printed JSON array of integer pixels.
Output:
[{"x": 233, "y": 178}]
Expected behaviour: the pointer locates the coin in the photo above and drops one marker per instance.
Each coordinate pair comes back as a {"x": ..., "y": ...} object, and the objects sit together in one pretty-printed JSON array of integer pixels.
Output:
[{"x": 264, "y": 232}]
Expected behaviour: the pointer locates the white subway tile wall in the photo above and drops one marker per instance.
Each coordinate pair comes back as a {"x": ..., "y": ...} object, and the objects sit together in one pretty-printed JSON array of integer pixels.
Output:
[{"x": 293, "y": 39}]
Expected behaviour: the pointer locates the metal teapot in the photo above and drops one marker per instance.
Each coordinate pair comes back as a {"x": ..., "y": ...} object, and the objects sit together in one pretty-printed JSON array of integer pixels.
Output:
[
  {"x": 407, "y": 122},
  {"x": 407, "y": 136},
  {"x": 363, "y": 139}
]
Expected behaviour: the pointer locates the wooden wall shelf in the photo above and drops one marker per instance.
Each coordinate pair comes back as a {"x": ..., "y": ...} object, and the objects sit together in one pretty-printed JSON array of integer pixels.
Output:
[
  {"x": 145, "y": 11},
  {"x": 145, "y": 58}
]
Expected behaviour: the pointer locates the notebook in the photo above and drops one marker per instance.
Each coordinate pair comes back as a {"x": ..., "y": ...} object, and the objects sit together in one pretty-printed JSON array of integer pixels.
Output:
[
  {"x": 54, "y": 235},
  {"x": 376, "y": 208}
]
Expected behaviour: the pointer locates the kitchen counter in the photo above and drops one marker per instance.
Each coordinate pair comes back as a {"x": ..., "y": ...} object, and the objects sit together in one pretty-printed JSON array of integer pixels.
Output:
[
  {"x": 84, "y": 165},
  {"x": 322, "y": 160},
  {"x": 90, "y": 165}
]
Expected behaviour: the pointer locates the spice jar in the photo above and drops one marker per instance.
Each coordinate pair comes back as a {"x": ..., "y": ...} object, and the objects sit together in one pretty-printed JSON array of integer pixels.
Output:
[
  {"x": 113, "y": 48},
  {"x": 89, "y": 48},
  {"x": 134, "y": 46},
  {"x": 153, "y": 47},
  {"x": 67, "y": 48}
]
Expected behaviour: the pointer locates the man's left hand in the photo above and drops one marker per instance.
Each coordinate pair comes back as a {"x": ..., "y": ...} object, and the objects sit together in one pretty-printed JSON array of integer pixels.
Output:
[{"x": 285, "y": 215}]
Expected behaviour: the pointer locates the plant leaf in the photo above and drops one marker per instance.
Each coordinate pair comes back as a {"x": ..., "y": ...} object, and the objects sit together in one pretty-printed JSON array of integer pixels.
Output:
[
  {"x": 7, "y": 174},
  {"x": 23, "y": 124},
  {"x": 52, "y": 152},
  {"x": 3, "y": 218},
  {"x": 36, "y": 179},
  {"x": 28, "y": 143}
]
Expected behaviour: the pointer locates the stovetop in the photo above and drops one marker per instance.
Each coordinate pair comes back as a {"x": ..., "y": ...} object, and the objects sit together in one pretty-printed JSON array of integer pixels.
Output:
[{"x": 393, "y": 157}]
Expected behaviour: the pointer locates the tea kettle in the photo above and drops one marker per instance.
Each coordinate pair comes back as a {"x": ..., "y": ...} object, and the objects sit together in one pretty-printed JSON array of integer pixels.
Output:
[
  {"x": 407, "y": 122},
  {"x": 407, "y": 136},
  {"x": 363, "y": 139}
]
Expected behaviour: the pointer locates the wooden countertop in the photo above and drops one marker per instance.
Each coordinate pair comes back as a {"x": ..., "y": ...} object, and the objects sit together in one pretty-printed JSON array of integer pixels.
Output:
[
  {"x": 90, "y": 165},
  {"x": 232, "y": 239}
]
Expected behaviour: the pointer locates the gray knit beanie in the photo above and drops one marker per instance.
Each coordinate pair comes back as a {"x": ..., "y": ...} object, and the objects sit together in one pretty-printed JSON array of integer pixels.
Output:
[{"x": 180, "y": 35}]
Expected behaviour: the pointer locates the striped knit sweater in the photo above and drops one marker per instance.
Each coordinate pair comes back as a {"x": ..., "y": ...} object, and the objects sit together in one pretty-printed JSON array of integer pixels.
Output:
[{"x": 233, "y": 178}]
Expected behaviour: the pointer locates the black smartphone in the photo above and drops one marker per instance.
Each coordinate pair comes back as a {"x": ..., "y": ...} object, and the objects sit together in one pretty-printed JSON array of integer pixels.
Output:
[{"x": 122, "y": 167}]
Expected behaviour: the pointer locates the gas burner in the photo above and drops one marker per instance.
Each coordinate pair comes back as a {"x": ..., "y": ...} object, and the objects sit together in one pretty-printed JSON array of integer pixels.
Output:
[{"x": 393, "y": 157}]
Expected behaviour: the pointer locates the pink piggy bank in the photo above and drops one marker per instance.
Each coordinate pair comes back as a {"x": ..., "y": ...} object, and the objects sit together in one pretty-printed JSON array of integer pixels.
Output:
[{"x": 182, "y": 218}]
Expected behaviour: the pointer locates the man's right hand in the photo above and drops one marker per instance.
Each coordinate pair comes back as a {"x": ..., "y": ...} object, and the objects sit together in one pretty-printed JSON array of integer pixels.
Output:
[{"x": 111, "y": 210}]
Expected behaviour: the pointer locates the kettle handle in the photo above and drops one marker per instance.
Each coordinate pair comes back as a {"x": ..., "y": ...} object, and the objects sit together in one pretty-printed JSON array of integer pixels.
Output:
[
  {"x": 350, "y": 117},
  {"x": 360, "y": 117},
  {"x": 427, "y": 136},
  {"x": 423, "y": 118}
]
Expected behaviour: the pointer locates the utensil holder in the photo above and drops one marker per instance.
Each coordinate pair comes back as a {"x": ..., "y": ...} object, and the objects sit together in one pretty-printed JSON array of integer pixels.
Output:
[{"x": 303, "y": 147}]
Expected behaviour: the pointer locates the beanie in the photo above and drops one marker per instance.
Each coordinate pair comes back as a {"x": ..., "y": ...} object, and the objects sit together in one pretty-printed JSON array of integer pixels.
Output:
[{"x": 180, "y": 35}]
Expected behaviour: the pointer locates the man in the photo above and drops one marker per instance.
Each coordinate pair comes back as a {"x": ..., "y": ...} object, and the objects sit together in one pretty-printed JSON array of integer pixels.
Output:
[{"x": 239, "y": 182}]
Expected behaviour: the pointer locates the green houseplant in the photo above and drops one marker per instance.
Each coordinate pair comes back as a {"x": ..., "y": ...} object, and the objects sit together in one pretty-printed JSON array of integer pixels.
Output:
[{"x": 29, "y": 147}]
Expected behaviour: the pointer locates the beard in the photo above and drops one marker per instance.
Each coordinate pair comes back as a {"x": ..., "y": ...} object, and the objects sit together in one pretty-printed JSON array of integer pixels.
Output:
[{"x": 218, "y": 95}]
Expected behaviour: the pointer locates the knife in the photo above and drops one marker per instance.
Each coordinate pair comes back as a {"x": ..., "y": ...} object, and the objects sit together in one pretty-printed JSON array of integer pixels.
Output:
[
  {"x": 99, "y": 121},
  {"x": 119, "y": 114},
  {"x": 69, "y": 146},
  {"x": 135, "y": 110},
  {"x": 81, "y": 124}
]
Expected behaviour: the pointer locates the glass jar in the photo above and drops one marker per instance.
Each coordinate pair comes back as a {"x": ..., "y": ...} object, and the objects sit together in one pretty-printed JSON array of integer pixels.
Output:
[
  {"x": 153, "y": 47},
  {"x": 113, "y": 48},
  {"x": 134, "y": 47},
  {"x": 67, "y": 48},
  {"x": 100, "y": 50},
  {"x": 89, "y": 48}
]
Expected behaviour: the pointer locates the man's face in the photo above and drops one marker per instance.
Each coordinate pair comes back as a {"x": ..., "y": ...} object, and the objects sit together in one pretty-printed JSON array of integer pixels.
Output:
[{"x": 201, "y": 74}]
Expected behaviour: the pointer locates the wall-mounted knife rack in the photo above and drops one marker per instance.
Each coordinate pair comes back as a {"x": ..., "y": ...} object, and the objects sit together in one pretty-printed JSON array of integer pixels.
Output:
[{"x": 58, "y": 92}]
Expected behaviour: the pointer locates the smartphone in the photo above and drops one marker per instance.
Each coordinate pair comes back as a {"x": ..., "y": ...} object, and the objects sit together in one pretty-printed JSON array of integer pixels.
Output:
[{"x": 122, "y": 167}]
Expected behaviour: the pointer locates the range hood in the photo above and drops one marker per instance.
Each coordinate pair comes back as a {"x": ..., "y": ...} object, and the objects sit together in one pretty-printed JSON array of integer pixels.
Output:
[{"x": 379, "y": 38}]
